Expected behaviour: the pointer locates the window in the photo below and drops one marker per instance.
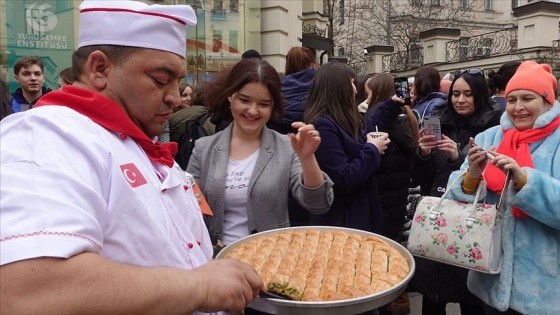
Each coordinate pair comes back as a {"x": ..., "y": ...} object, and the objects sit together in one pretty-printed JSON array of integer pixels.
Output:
[
  {"x": 234, "y": 6},
  {"x": 341, "y": 52},
  {"x": 488, "y": 5},
  {"x": 417, "y": 2},
  {"x": 463, "y": 49},
  {"x": 465, "y": 4},
  {"x": 515, "y": 3},
  {"x": 486, "y": 48},
  {"x": 218, "y": 12},
  {"x": 341, "y": 9},
  {"x": 435, "y": 3}
]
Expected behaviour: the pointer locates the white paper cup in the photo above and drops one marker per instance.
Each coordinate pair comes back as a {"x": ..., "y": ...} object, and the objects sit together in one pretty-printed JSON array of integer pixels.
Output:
[{"x": 377, "y": 134}]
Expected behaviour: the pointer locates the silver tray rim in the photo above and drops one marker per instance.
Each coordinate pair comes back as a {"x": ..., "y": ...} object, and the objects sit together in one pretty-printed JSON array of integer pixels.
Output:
[{"x": 339, "y": 303}]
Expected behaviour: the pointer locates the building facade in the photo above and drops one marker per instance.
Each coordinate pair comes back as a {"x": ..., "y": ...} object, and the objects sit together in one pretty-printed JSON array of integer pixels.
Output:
[
  {"x": 396, "y": 27},
  {"x": 533, "y": 36},
  {"x": 225, "y": 29}
]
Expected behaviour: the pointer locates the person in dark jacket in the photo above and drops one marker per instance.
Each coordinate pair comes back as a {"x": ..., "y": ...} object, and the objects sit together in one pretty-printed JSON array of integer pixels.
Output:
[
  {"x": 427, "y": 92},
  {"x": 469, "y": 111},
  {"x": 497, "y": 81},
  {"x": 395, "y": 170},
  {"x": 345, "y": 154},
  {"x": 178, "y": 120},
  {"x": 296, "y": 82},
  {"x": 29, "y": 74}
]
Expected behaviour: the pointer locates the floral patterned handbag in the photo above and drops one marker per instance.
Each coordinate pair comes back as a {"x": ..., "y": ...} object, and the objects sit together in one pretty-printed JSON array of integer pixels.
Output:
[{"x": 458, "y": 233}]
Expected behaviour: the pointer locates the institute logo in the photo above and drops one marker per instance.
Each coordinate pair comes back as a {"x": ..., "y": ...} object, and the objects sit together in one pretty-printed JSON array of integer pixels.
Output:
[
  {"x": 39, "y": 18},
  {"x": 132, "y": 175}
]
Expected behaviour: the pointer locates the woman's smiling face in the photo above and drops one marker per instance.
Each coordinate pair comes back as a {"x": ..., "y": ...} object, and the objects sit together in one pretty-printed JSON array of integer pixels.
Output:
[
  {"x": 251, "y": 107},
  {"x": 524, "y": 107}
]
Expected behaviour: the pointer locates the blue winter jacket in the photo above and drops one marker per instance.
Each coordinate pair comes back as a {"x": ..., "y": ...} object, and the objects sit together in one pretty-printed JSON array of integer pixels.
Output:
[
  {"x": 529, "y": 281},
  {"x": 295, "y": 88},
  {"x": 425, "y": 106},
  {"x": 18, "y": 99}
]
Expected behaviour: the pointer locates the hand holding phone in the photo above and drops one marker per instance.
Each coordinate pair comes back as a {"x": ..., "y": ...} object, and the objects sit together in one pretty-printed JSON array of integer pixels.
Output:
[
  {"x": 432, "y": 126},
  {"x": 402, "y": 90},
  {"x": 488, "y": 154}
]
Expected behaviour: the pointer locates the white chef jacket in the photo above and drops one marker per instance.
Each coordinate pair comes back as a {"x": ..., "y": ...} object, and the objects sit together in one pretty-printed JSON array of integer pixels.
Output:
[{"x": 68, "y": 185}]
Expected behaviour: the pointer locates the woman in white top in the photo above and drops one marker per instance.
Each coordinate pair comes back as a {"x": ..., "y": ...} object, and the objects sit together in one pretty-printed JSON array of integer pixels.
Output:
[{"x": 247, "y": 170}]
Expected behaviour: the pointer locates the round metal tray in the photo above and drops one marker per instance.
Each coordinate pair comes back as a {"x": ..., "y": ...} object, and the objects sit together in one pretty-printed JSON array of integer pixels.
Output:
[{"x": 340, "y": 307}]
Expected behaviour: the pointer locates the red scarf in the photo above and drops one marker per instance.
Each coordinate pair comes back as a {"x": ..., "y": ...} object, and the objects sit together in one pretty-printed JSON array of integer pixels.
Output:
[
  {"x": 516, "y": 145},
  {"x": 110, "y": 116}
]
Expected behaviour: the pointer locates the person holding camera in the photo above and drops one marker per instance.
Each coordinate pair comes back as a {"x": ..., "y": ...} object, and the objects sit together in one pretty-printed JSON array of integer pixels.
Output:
[
  {"x": 526, "y": 144},
  {"x": 468, "y": 111}
]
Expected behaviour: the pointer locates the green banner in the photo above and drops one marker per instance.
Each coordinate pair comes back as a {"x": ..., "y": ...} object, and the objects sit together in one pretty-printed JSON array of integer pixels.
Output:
[{"x": 44, "y": 29}]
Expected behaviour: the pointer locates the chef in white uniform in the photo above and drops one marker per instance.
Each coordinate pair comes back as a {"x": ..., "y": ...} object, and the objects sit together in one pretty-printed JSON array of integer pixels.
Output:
[{"x": 95, "y": 215}]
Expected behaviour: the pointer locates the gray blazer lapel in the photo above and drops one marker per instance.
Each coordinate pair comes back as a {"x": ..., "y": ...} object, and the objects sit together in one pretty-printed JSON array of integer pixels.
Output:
[{"x": 217, "y": 176}]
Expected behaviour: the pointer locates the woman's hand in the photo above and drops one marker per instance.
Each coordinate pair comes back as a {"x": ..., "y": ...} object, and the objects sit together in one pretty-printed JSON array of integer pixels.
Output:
[
  {"x": 305, "y": 143},
  {"x": 477, "y": 159},
  {"x": 426, "y": 143},
  {"x": 307, "y": 139},
  {"x": 397, "y": 100},
  {"x": 505, "y": 163},
  {"x": 448, "y": 147},
  {"x": 381, "y": 142}
]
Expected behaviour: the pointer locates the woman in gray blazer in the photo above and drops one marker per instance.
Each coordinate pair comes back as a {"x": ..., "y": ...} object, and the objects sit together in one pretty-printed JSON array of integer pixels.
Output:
[{"x": 247, "y": 170}]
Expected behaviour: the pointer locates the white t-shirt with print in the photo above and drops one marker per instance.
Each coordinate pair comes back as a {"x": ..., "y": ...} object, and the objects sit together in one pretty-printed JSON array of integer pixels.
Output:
[{"x": 238, "y": 177}]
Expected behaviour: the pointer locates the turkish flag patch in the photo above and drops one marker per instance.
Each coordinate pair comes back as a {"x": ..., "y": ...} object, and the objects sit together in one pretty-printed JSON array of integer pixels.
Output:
[{"x": 133, "y": 175}]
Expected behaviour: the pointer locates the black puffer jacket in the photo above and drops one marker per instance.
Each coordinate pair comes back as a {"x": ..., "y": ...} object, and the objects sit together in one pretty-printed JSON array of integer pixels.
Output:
[
  {"x": 436, "y": 281},
  {"x": 432, "y": 172},
  {"x": 395, "y": 170}
]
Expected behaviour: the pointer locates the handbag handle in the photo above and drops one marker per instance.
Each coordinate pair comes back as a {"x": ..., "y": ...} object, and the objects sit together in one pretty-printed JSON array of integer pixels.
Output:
[{"x": 472, "y": 216}]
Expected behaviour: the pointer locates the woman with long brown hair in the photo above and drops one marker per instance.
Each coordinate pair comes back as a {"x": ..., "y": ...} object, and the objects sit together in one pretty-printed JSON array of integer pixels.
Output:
[
  {"x": 345, "y": 154},
  {"x": 395, "y": 172},
  {"x": 247, "y": 170}
]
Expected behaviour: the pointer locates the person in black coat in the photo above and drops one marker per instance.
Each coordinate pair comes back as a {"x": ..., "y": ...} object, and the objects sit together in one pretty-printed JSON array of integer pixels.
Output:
[
  {"x": 469, "y": 111},
  {"x": 395, "y": 170}
]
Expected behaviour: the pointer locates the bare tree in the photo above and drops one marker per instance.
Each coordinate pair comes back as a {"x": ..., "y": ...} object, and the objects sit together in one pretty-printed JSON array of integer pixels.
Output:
[
  {"x": 399, "y": 23},
  {"x": 329, "y": 10}
]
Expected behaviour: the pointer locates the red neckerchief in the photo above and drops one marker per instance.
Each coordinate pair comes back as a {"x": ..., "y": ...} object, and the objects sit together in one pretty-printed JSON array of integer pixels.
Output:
[
  {"x": 516, "y": 145},
  {"x": 110, "y": 116}
]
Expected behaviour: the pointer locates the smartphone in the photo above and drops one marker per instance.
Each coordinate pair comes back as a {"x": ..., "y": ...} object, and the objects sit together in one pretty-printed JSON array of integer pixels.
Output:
[
  {"x": 402, "y": 90},
  {"x": 432, "y": 126},
  {"x": 488, "y": 154}
]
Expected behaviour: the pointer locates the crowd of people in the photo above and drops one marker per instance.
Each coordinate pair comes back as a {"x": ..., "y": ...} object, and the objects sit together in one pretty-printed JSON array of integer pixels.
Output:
[{"x": 98, "y": 216}]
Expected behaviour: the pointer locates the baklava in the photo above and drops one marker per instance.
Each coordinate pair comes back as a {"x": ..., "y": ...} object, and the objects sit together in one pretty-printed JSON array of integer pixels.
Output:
[{"x": 328, "y": 265}]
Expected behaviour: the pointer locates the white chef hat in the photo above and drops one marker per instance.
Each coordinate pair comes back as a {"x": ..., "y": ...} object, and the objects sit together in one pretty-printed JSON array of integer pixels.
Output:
[{"x": 135, "y": 24}]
